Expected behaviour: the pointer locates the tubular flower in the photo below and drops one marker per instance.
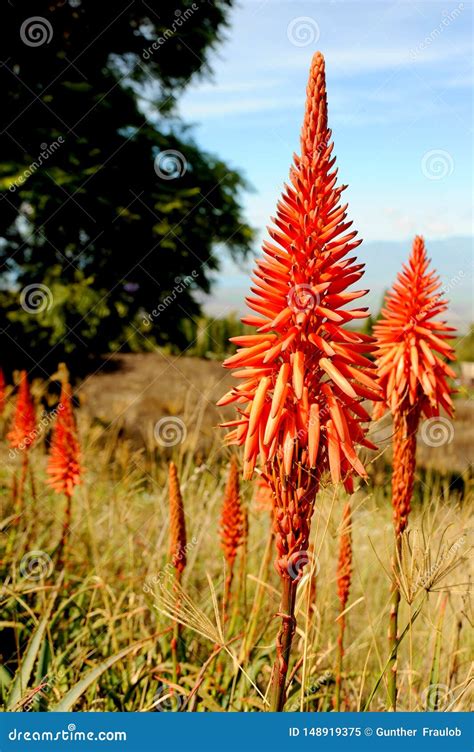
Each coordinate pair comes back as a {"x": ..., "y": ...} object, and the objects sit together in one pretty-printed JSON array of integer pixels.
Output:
[
  {"x": 304, "y": 374},
  {"x": 177, "y": 522},
  {"x": 411, "y": 348},
  {"x": 410, "y": 343},
  {"x": 64, "y": 466},
  {"x": 233, "y": 517},
  {"x": 23, "y": 431}
]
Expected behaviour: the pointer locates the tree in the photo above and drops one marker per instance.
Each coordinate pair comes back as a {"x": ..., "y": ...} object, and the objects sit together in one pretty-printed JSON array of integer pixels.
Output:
[{"x": 112, "y": 217}]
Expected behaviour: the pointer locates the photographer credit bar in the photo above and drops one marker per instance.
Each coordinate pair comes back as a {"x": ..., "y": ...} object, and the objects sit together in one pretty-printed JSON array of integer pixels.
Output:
[{"x": 173, "y": 732}]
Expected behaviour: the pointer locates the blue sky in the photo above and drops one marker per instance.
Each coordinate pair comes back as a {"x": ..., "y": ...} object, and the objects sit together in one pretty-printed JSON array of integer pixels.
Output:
[{"x": 399, "y": 77}]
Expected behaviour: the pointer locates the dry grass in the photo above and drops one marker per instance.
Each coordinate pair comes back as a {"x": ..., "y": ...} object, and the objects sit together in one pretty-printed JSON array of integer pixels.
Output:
[
  {"x": 131, "y": 392},
  {"x": 110, "y": 599},
  {"x": 134, "y": 391}
]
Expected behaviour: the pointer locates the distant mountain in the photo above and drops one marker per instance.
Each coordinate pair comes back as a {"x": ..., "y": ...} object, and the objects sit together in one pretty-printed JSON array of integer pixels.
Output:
[{"x": 452, "y": 257}]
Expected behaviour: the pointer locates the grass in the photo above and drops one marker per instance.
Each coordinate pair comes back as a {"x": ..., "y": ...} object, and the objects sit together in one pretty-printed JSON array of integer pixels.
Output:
[{"x": 97, "y": 636}]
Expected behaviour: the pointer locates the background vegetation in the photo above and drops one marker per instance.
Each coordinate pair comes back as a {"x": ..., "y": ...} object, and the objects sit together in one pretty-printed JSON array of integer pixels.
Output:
[
  {"x": 97, "y": 636},
  {"x": 99, "y": 222}
]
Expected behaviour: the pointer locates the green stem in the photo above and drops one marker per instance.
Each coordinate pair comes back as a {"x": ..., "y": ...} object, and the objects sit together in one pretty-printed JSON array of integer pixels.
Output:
[
  {"x": 174, "y": 651},
  {"x": 395, "y": 647},
  {"x": 227, "y": 593},
  {"x": 283, "y": 644},
  {"x": 176, "y": 636},
  {"x": 20, "y": 489},
  {"x": 18, "y": 503},
  {"x": 65, "y": 532},
  {"x": 432, "y": 700}
]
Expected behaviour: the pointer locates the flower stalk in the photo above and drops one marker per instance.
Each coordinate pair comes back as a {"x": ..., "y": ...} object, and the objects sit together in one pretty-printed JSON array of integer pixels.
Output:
[
  {"x": 21, "y": 437},
  {"x": 64, "y": 464},
  {"x": 412, "y": 351},
  {"x": 344, "y": 577},
  {"x": 283, "y": 645},
  {"x": 304, "y": 373},
  {"x": 233, "y": 525},
  {"x": 177, "y": 553}
]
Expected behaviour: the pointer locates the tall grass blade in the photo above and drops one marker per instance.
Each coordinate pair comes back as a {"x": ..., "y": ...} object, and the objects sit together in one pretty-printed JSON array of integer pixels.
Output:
[
  {"x": 22, "y": 676},
  {"x": 71, "y": 697}
]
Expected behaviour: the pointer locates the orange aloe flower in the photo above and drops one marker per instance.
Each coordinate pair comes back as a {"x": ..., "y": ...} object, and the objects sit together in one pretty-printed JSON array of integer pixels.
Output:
[
  {"x": 304, "y": 373},
  {"x": 410, "y": 342},
  {"x": 233, "y": 518},
  {"x": 411, "y": 351},
  {"x": 178, "y": 548},
  {"x": 64, "y": 467},
  {"x": 22, "y": 434},
  {"x": 234, "y": 526}
]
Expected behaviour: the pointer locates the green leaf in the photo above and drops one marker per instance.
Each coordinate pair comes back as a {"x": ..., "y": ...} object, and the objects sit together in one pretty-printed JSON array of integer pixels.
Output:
[
  {"x": 5, "y": 680},
  {"x": 22, "y": 676},
  {"x": 71, "y": 697},
  {"x": 77, "y": 86}
]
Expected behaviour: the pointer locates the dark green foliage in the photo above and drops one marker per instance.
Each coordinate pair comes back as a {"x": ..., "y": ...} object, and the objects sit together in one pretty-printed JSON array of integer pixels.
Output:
[{"x": 88, "y": 112}]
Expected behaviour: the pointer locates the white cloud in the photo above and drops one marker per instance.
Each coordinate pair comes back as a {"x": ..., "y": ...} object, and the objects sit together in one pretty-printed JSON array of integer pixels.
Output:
[
  {"x": 462, "y": 81},
  {"x": 235, "y": 87},
  {"x": 350, "y": 61},
  {"x": 197, "y": 107}
]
